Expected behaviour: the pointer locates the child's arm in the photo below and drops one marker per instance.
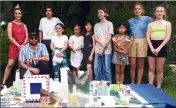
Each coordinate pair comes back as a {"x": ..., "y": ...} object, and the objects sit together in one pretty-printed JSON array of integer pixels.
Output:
[
  {"x": 97, "y": 40},
  {"x": 65, "y": 47},
  {"x": 93, "y": 49},
  {"x": 148, "y": 38},
  {"x": 114, "y": 38},
  {"x": 168, "y": 35},
  {"x": 52, "y": 46},
  {"x": 121, "y": 51},
  {"x": 70, "y": 43},
  {"x": 82, "y": 43}
]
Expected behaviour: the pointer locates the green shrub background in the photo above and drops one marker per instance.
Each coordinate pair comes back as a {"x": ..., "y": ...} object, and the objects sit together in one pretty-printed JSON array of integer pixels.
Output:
[{"x": 80, "y": 11}]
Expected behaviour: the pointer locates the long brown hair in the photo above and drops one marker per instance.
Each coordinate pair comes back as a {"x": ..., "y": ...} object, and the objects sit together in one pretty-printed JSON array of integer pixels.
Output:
[
  {"x": 165, "y": 16},
  {"x": 105, "y": 11}
]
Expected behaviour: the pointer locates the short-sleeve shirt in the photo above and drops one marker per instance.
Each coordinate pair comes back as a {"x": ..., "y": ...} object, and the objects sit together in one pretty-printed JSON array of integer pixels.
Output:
[
  {"x": 102, "y": 31},
  {"x": 26, "y": 52},
  {"x": 47, "y": 27},
  {"x": 138, "y": 26},
  {"x": 59, "y": 40}
]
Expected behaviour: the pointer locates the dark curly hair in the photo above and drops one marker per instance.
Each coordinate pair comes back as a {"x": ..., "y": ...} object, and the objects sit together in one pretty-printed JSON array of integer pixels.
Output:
[{"x": 126, "y": 25}]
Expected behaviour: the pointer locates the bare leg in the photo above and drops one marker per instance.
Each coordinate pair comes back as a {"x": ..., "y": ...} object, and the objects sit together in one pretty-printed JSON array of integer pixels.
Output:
[
  {"x": 8, "y": 69},
  {"x": 77, "y": 70},
  {"x": 122, "y": 69},
  {"x": 151, "y": 63},
  {"x": 74, "y": 71},
  {"x": 140, "y": 68},
  {"x": 89, "y": 69},
  {"x": 159, "y": 67},
  {"x": 117, "y": 69},
  {"x": 132, "y": 69}
]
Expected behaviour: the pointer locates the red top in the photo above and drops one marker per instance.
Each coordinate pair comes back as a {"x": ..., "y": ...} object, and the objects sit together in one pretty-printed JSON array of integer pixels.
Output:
[{"x": 19, "y": 35}]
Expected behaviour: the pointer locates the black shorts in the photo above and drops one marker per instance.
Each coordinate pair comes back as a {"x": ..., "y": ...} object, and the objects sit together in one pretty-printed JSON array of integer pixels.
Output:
[{"x": 156, "y": 44}]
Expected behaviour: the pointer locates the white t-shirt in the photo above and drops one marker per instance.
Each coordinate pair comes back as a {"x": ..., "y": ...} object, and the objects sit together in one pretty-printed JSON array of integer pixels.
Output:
[
  {"x": 102, "y": 31},
  {"x": 47, "y": 27},
  {"x": 59, "y": 40}
]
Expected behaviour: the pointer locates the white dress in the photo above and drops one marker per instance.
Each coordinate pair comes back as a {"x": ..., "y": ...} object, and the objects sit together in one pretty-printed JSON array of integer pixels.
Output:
[{"x": 76, "y": 57}]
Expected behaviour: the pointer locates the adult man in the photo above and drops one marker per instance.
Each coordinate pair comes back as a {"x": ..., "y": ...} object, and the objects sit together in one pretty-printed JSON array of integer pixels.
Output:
[
  {"x": 33, "y": 56},
  {"x": 47, "y": 30}
]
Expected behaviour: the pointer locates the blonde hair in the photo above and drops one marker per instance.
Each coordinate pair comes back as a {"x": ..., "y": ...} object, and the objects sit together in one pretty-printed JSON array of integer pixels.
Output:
[
  {"x": 142, "y": 7},
  {"x": 165, "y": 13}
]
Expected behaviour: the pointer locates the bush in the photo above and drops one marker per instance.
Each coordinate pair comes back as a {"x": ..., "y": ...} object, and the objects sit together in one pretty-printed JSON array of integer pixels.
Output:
[{"x": 4, "y": 48}]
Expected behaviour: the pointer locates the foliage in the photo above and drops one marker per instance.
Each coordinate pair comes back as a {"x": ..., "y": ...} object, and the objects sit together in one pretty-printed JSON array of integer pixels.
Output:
[{"x": 4, "y": 48}]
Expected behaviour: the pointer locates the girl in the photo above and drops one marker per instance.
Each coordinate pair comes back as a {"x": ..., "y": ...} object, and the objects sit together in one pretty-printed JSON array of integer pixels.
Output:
[
  {"x": 138, "y": 52},
  {"x": 120, "y": 57},
  {"x": 103, "y": 31},
  {"x": 76, "y": 43},
  {"x": 88, "y": 50},
  {"x": 58, "y": 46},
  {"x": 158, "y": 35},
  {"x": 18, "y": 36}
]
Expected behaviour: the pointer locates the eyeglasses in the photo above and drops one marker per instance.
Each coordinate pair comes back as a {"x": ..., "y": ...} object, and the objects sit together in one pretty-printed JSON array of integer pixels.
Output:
[{"x": 32, "y": 38}]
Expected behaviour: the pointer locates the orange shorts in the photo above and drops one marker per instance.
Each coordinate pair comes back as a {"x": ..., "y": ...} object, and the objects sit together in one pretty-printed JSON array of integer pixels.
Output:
[{"x": 138, "y": 48}]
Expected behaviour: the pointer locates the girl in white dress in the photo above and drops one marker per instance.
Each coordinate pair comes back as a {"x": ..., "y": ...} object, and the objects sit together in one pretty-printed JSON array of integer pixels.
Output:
[{"x": 76, "y": 43}]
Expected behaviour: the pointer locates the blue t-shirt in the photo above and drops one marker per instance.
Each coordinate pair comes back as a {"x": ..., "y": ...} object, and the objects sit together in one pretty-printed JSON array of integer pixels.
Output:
[{"x": 138, "y": 26}]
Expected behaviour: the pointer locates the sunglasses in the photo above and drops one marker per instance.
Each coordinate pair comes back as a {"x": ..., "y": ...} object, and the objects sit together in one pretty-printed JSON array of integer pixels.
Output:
[{"x": 32, "y": 38}]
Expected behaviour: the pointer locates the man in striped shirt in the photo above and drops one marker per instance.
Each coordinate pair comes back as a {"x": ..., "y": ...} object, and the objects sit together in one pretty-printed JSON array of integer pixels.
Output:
[{"x": 33, "y": 56}]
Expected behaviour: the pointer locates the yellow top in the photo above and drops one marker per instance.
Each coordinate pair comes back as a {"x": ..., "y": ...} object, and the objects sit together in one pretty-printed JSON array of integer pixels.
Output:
[{"x": 158, "y": 31}]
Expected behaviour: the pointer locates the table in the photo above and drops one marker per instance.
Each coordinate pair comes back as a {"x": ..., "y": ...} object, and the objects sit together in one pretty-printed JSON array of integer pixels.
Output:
[
  {"x": 148, "y": 94},
  {"x": 153, "y": 96}
]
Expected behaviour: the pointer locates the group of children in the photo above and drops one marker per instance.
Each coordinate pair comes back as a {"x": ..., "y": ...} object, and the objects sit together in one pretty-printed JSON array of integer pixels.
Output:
[
  {"x": 83, "y": 47},
  {"x": 94, "y": 48}
]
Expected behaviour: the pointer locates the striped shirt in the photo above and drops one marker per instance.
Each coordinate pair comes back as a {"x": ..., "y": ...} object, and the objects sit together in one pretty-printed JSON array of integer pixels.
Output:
[{"x": 26, "y": 52}]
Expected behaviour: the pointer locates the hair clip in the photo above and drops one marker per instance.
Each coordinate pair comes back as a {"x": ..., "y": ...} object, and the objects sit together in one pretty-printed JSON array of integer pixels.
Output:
[{"x": 17, "y": 6}]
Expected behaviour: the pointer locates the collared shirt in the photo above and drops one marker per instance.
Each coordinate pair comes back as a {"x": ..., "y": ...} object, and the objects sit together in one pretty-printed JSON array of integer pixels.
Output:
[
  {"x": 138, "y": 26},
  {"x": 27, "y": 53}
]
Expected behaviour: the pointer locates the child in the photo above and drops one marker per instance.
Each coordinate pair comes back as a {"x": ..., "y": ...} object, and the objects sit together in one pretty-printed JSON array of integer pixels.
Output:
[
  {"x": 120, "y": 57},
  {"x": 76, "y": 43},
  {"x": 58, "y": 46},
  {"x": 88, "y": 50},
  {"x": 103, "y": 31},
  {"x": 158, "y": 35}
]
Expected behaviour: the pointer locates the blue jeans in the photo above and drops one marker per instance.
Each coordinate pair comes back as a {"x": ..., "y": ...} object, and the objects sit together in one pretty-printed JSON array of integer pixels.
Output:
[
  {"x": 41, "y": 65},
  {"x": 102, "y": 67}
]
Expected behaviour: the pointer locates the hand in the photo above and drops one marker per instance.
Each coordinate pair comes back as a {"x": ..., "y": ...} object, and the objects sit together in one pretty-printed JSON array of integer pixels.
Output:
[
  {"x": 89, "y": 66},
  {"x": 125, "y": 51},
  {"x": 114, "y": 39},
  {"x": 19, "y": 46},
  {"x": 34, "y": 70},
  {"x": 29, "y": 62},
  {"x": 157, "y": 50},
  {"x": 153, "y": 51},
  {"x": 90, "y": 58},
  {"x": 59, "y": 55},
  {"x": 101, "y": 51},
  {"x": 104, "y": 45}
]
